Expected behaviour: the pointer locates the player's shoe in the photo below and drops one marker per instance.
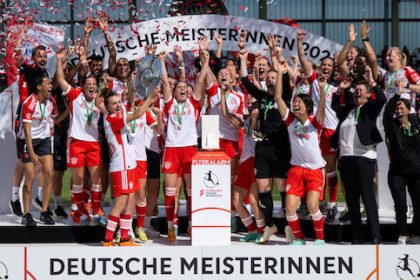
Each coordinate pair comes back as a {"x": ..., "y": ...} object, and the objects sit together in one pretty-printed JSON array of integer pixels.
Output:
[
  {"x": 250, "y": 237},
  {"x": 319, "y": 242},
  {"x": 233, "y": 224},
  {"x": 85, "y": 220},
  {"x": 128, "y": 243},
  {"x": 16, "y": 208},
  {"x": 402, "y": 240},
  {"x": 28, "y": 221},
  {"x": 45, "y": 218},
  {"x": 88, "y": 207},
  {"x": 176, "y": 232},
  {"x": 171, "y": 234},
  {"x": 151, "y": 232},
  {"x": 289, "y": 234},
  {"x": 344, "y": 216},
  {"x": 38, "y": 205},
  {"x": 60, "y": 212},
  {"x": 141, "y": 234},
  {"x": 75, "y": 215},
  {"x": 268, "y": 232},
  {"x": 108, "y": 244},
  {"x": 331, "y": 214},
  {"x": 298, "y": 242}
]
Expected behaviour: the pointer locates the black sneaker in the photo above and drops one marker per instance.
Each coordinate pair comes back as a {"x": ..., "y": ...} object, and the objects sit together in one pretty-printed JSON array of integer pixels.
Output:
[
  {"x": 59, "y": 211},
  {"x": 331, "y": 215},
  {"x": 38, "y": 205},
  {"x": 16, "y": 208},
  {"x": 46, "y": 218},
  {"x": 344, "y": 216},
  {"x": 28, "y": 221}
]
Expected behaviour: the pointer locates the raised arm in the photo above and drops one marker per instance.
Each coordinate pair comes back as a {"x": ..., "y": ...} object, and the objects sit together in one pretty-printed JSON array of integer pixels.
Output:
[
  {"x": 180, "y": 61},
  {"x": 199, "y": 83},
  {"x": 272, "y": 44},
  {"x": 307, "y": 66},
  {"x": 341, "y": 60},
  {"x": 59, "y": 74},
  {"x": 112, "y": 61},
  {"x": 165, "y": 87},
  {"x": 88, "y": 30},
  {"x": 370, "y": 52},
  {"x": 320, "y": 112},
  {"x": 219, "y": 41},
  {"x": 278, "y": 93},
  {"x": 144, "y": 106}
]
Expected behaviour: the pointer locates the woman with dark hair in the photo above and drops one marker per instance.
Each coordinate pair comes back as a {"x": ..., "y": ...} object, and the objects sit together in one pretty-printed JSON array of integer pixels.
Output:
[
  {"x": 403, "y": 137},
  {"x": 306, "y": 174},
  {"x": 357, "y": 140}
]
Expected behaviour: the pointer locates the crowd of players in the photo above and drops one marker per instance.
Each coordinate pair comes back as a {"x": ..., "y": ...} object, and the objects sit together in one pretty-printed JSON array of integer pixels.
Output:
[{"x": 280, "y": 124}]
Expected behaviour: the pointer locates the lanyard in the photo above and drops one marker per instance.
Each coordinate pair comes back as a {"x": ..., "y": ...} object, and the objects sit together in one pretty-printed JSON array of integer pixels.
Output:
[
  {"x": 42, "y": 111},
  {"x": 407, "y": 131},
  {"x": 327, "y": 89},
  {"x": 179, "y": 114},
  {"x": 391, "y": 78},
  {"x": 356, "y": 115},
  {"x": 133, "y": 126},
  {"x": 89, "y": 112},
  {"x": 268, "y": 106}
]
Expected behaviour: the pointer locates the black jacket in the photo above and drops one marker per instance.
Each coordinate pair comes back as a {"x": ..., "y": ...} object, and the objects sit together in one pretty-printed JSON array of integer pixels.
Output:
[
  {"x": 404, "y": 150},
  {"x": 366, "y": 128}
]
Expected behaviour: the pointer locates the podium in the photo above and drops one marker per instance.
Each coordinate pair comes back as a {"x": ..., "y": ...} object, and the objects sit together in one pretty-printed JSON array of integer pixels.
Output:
[{"x": 211, "y": 199}]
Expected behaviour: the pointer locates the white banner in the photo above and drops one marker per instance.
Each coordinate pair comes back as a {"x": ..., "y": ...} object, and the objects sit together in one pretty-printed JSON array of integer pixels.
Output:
[
  {"x": 165, "y": 33},
  {"x": 9, "y": 101},
  {"x": 52, "y": 37},
  {"x": 228, "y": 262}
]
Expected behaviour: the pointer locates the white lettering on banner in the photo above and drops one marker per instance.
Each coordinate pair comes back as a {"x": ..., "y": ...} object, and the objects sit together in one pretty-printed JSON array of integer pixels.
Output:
[
  {"x": 210, "y": 162},
  {"x": 165, "y": 33}
]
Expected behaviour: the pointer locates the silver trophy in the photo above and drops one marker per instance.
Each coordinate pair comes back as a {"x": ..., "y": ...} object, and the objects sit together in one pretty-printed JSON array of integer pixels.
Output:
[{"x": 148, "y": 76}]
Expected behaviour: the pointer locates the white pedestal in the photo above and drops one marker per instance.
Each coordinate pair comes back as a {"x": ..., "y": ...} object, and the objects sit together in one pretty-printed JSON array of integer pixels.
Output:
[{"x": 211, "y": 199}]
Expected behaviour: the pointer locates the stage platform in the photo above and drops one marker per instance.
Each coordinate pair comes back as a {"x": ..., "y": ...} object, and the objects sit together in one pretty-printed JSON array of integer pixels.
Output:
[{"x": 66, "y": 231}]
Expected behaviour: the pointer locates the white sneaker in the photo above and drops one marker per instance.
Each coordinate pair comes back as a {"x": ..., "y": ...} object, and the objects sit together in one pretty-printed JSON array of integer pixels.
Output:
[
  {"x": 414, "y": 240},
  {"x": 268, "y": 232},
  {"x": 289, "y": 234},
  {"x": 151, "y": 232},
  {"x": 402, "y": 240}
]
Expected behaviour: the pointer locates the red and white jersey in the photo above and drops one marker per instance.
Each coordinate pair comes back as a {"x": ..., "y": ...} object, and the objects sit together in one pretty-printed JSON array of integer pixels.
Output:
[
  {"x": 248, "y": 144},
  {"x": 137, "y": 134},
  {"x": 304, "y": 142},
  {"x": 120, "y": 151},
  {"x": 405, "y": 74},
  {"x": 235, "y": 105},
  {"x": 300, "y": 87},
  {"x": 80, "y": 108},
  {"x": 330, "y": 120},
  {"x": 39, "y": 115},
  {"x": 181, "y": 122},
  {"x": 118, "y": 86}
]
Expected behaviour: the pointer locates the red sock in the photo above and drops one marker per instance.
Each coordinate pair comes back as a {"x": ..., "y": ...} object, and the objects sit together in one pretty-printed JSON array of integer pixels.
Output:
[
  {"x": 86, "y": 195},
  {"x": 295, "y": 226},
  {"x": 332, "y": 188},
  {"x": 318, "y": 221},
  {"x": 111, "y": 226},
  {"x": 169, "y": 207},
  {"x": 125, "y": 224},
  {"x": 78, "y": 198},
  {"x": 96, "y": 201},
  {"x": 260, "y": 226},
  {"x": 249, "y": 223},
  {"x": 141, "y": 212}
]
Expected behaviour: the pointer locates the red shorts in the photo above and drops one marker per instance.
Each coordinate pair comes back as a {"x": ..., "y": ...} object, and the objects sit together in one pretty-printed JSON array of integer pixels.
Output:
[
  {"x": 231, "y": 148},
  {"x": 124, "y": 182},
  {"x": 83, "y": 154},
  {"x": 141, "y": 169},
  {"x": 302, "y": 180},
  {"x": 246, "y": 174},
  {"x": 325, "y": 142},
  {"x": 177, "y": 159}
]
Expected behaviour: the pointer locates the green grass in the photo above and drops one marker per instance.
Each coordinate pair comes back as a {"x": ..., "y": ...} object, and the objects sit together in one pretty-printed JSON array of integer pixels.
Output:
[{"x": 65, "y": 196}]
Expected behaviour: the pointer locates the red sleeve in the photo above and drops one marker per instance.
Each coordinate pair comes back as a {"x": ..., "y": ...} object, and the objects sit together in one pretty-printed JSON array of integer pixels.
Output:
[
  {"x": 149, "y": 118},
  {"x": 290, "y": 118},
  {"x": 116, "y": 121},
  {"x": 412, "y": 76},
  {"x": 195, "y": 103},
  {"x": 212, "y": 91},
  {"x": 312, "y": 77},
  {"x": 241, "y": 107},
  {"x": 23, "y": 88},
  {"x": 167, "y": 106},
  {"x": 28, "y": 110},
  {"x": 316, "y": 123},
  {"x": 73, "y": 93}
]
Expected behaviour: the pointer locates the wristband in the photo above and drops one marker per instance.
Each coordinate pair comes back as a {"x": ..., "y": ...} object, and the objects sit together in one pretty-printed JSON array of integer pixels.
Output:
[{"x": 365, "y": 39}]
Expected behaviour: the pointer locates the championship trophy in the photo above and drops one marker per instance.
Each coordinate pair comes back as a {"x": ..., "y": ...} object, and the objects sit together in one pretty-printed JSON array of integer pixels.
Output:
[{"x": 148, "y": 76}]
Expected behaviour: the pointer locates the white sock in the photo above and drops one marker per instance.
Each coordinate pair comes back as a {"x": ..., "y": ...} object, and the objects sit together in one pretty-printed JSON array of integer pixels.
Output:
[
  {"x": 147, "y": 221},
  {"x": 15, "y": 193},
  {"x": 40, "y": 193},
  {"x": 57, "y": 201}
]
